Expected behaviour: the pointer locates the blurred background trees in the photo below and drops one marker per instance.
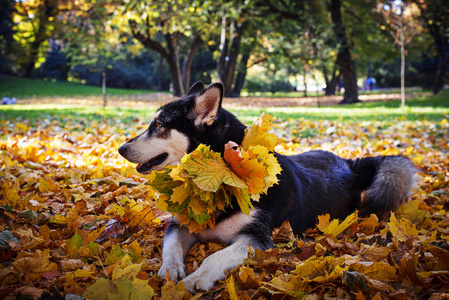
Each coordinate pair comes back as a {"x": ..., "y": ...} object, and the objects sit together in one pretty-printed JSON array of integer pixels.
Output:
[{"x": 252, "y": 46}]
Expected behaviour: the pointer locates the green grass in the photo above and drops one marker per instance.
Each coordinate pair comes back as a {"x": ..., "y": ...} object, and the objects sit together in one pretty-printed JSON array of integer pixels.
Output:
[
  {"x": 25, "y": 88},
  {"x": 418, "y": 108},
  {"x": 434, "y": 107},
  {"x": 314, "y": 94}
]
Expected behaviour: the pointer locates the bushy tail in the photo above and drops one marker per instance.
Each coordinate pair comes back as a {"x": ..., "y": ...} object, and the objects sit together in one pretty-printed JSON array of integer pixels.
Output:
[{"x": 387, "y": 182}]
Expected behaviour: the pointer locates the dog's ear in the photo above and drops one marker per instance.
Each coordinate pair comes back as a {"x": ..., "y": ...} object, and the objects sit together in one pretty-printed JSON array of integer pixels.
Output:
[
  {"x": 207, "y": 105},
  {"x": 197, "y": 87}
]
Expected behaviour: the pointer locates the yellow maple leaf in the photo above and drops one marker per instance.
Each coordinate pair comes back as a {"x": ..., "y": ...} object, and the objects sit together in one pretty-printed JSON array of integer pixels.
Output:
[
  {"x": 180, "y": 194},
  {"x": 401, "y": 229},
  {"x": 231, "y": 288},
  {"x": 272, "y": 165},
  {"x": 47, "y": 185},
  {"x": 257, "y": 134},
  {"x": 375, "y": 270},
  {"x": 197, "y": 205},
  {"x": 209, "y": 169},
  {"x": 335, "y": 228},
  {"x": 257, "y": 167},
  {"x": 255, "y": 180}
]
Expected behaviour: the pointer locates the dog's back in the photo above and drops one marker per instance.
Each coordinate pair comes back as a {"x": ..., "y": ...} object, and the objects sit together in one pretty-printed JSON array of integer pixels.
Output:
[{"x": 319, "y": 182}]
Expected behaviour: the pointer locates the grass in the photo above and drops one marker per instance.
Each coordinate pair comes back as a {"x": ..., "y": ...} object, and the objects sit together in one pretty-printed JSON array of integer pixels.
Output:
[
  {"x": 315, "y": 94},
  {"x": 434, "y": 107},
  {"x": 419, "y": 108},
  {"x": 29, "y": 88}
]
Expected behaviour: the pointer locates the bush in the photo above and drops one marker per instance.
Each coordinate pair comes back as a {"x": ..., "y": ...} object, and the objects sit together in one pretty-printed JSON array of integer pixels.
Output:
[
  {"x": 280, "y": 86},
  {"x": 258, "y": 84},
  {"x": 417, "y": 73}
]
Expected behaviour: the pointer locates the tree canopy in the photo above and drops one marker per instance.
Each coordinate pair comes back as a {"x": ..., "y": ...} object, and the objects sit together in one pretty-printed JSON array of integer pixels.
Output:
[{"x": 336, "y": 40}]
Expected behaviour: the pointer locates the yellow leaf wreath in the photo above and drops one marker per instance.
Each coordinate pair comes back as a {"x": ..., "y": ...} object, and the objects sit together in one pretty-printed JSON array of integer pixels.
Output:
[{"x": 204, "y": 183}]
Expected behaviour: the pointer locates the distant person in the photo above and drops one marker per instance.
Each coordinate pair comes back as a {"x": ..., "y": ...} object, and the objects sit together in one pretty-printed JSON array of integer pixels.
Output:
[
  {"x": 370, "y": 82},
  {"x": 340, "y": 86},
  {"x": 6, "y": 100}
]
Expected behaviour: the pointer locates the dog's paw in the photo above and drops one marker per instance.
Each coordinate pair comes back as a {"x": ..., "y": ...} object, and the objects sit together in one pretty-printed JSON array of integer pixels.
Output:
[
  {"x": 197, "y": 283},
  {"x": 176, "y": 271}
]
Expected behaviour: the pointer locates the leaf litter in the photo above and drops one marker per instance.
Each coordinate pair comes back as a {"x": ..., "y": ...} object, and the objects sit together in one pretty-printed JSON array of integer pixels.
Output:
[{"x": 77, "y": 219}]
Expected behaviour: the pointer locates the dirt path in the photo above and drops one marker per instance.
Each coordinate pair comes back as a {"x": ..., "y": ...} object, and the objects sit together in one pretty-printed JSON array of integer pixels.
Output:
[{"x": 158, "y": 99}]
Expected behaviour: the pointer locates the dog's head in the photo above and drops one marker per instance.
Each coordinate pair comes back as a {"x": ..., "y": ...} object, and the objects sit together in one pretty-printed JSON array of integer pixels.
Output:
[{"x": 173, "y": 129}]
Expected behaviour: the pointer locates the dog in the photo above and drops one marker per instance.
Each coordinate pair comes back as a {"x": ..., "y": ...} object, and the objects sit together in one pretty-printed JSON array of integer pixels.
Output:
[{"x": 310, "y": 184}]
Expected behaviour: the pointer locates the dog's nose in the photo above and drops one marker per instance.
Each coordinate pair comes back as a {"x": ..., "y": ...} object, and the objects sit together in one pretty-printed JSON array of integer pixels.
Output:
[{"x": 122, "y": 150}]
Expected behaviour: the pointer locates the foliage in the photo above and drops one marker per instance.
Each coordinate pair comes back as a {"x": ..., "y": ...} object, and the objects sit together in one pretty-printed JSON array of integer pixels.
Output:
[
  {"x": 260, "y": 84},
  {"x": 55, "y": 66},
  {"x": 388, "y": 74},
  {"x": 35, "y": 22},
  {"x": 6, "y": 32},
  {"x": 433, "y": 14},
  {"x": 203, "y": 183},
  {"x": 77, "y": 218}
]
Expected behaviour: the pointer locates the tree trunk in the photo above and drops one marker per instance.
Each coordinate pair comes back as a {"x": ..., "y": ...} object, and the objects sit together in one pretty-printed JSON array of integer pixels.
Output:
[
  {"x": 173, "y": 62},
  {"x": 344, "y": 58},
  {"x": 227, "y": 64},
  {"x": 180, "y": 77},
  {"x": 187, "y": 65},
  {"x": 443, "y": 61},
  {"x": 401, "y": 37},
  {"x": 103, "y": 85},
  {"x": 433, "y": 17},
  {"x": 241, "y": 75},
  {"x": 305, "y": 83},
  {"x": 331, "y": 85}
]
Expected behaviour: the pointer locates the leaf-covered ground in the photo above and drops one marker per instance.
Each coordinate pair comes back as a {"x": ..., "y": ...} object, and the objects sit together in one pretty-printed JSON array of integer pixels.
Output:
[{"x": 77, "y": 219}]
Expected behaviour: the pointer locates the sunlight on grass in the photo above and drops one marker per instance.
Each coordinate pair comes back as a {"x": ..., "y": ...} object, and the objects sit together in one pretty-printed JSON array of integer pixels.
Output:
[{"x": 419, "y": 108}]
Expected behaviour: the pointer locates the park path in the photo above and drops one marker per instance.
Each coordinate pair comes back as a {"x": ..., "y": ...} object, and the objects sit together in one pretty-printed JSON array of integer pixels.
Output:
[{"x": 158, "y": 99}]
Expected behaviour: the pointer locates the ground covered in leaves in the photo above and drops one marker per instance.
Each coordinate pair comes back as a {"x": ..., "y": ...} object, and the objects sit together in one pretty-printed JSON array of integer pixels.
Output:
[{"x": 78, "y": 220}]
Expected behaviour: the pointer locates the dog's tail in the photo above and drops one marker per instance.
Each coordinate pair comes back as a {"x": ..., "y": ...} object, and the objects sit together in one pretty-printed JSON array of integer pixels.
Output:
[{"x": 386, "y": 182}]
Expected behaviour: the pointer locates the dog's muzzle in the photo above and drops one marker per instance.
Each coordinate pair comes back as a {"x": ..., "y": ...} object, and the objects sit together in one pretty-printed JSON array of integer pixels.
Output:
[{"x": 147, "y": 166}]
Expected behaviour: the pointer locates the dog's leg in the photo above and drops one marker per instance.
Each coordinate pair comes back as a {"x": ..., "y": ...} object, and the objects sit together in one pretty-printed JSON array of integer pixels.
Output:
[
  {"x": 213, "y": 268},
  {"x": 177, "y": 242}
]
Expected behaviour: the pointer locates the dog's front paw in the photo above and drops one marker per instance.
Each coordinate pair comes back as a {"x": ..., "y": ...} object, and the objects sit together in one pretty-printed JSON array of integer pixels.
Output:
[
  {"x": 197, "y": 283},
  {"x": 175, "y": 269}
]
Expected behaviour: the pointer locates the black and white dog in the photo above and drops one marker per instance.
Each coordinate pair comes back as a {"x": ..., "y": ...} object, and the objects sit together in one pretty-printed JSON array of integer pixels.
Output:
[{"x": 310, "y": 184}]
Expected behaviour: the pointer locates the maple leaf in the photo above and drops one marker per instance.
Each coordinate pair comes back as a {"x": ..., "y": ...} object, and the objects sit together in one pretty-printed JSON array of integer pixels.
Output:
[
  {"x": 257, "y": 134},
  {"x": 172, "y": 291},
  {"x": 401, "y": 229},
  {"x": 209, "y": 169},
  {"x": 335, "y": 228},
  {"x": 33, "y": 265}
]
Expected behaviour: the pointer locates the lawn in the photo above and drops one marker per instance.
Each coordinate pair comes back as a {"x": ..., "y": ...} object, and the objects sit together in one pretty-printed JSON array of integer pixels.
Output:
[
  {"x": 76, "y": 218},
  {"x": 417, "y": 108},
  {"x": 26, "y": 88}
]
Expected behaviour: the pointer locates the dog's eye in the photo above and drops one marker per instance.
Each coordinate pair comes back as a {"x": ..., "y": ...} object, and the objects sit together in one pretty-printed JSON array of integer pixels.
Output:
[{"x": 158, "y": 124}]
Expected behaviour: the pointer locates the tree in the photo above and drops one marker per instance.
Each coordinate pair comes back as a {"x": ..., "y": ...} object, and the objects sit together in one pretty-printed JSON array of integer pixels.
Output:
[
  {"x": 93, "y": 42},
  {"x": 172, "y": 30},
  {"x": 37, "y": 22},
  {"x": 296, "y": 10},
  {"x": 230, "y": 40},
  {"x": 344, "y": 58},
  {"x": 399, "y": 20},
  {"x": 6, "y": 32},
  {"x": 435, "y": 13},
  {"x": 241, "y": 23}
]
